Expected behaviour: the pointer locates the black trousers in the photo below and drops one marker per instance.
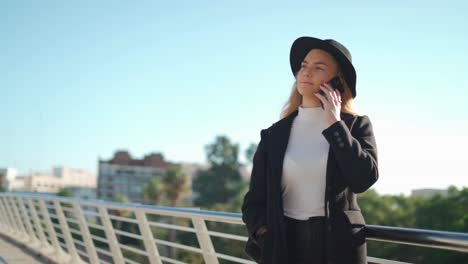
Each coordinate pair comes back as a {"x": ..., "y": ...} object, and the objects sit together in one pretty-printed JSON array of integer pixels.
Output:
[{"x": 306, "y": 240}]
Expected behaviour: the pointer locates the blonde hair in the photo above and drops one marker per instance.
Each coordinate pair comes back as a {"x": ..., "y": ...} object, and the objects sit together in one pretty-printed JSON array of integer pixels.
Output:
[{"x": 295, "y": 100}]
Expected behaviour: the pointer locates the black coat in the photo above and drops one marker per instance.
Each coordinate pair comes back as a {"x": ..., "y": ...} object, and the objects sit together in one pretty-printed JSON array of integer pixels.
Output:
[{"x": 351, "y": 169}]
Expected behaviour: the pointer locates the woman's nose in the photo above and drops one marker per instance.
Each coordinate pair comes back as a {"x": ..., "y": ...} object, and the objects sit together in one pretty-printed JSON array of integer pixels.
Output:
[{"x": 306, "y": 72}]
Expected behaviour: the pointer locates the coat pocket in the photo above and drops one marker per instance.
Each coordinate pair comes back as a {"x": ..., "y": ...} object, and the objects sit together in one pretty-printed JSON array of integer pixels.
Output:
[
  {"x": 354, "y": 217},
  {"x": 355, "y": 230},
  {"x": 347, "y": 238},
  {"x": 253, "y": 250}
]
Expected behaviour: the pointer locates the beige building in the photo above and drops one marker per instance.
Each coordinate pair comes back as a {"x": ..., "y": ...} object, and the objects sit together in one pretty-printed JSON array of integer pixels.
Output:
[{"x": 61, "y": 177}]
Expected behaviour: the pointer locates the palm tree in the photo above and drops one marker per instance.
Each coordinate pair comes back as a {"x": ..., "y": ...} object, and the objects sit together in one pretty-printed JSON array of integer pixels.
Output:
[
  {"x": 119, "y": 225},
  {"x": 172, "y": 186},
  {"x": 175, "y": 185},
  {"x": 153, "y": 190}
]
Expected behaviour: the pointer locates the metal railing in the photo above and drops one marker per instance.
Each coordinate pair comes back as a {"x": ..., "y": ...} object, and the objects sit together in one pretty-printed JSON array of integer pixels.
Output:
[{"x": 69, "y": 230}]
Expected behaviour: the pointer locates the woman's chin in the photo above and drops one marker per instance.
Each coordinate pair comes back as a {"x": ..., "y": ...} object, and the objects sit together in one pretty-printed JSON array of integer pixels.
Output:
[
  {"x": 308, "y": 90},
  {"x": 308, "y": 93}
]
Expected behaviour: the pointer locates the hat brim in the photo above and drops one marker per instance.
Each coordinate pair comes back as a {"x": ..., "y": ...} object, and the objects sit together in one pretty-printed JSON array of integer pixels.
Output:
[{"x": 301, "y": 47}]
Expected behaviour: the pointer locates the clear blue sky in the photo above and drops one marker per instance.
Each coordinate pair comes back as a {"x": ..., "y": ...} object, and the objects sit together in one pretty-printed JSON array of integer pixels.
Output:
[{"x": 80, "y": 80}]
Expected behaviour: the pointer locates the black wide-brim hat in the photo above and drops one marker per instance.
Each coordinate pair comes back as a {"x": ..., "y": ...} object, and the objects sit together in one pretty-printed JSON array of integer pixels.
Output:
[{"x": 303, "y": 45}]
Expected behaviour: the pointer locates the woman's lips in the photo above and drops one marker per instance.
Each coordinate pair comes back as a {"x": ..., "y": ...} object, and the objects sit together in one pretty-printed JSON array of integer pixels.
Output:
[{"x": 309, "y": 83}]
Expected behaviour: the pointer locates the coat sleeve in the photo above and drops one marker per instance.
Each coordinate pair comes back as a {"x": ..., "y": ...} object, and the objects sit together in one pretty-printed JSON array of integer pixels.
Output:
[
  {"x": 355, "y": 153},
  {"x": 254, "y": 204}
]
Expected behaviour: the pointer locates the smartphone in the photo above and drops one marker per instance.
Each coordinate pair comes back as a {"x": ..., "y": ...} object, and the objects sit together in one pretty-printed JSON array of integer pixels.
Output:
[{"x": 336, "y": 84}]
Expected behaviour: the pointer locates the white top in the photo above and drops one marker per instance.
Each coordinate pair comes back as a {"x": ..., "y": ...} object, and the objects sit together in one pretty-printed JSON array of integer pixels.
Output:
[{"x": 305, "y": 165}]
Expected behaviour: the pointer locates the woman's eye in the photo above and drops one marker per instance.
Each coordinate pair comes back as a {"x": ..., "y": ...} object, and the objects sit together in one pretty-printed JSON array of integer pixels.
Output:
[{"x": 319, "y": 69}]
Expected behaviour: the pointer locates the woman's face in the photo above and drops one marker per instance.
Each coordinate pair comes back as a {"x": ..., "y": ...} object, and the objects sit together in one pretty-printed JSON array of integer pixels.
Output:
[{"x": 317, "y": 67}]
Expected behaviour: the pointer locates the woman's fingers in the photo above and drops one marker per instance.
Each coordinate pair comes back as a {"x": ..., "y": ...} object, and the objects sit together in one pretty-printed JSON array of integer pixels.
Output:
[
  {"x": 338, "y": 96},
  {"x": 328, "y": 93},
  {"x": 332, "y": 95},
  {"x": 321, "y": 97}
]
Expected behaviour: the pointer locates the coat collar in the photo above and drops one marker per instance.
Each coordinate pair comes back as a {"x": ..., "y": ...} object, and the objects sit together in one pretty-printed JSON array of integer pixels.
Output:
[{"x": 282, "y": 128}]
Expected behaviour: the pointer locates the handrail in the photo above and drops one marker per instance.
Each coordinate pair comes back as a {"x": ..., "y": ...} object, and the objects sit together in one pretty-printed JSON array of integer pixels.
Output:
[
  {"x": 19, "y": 213},
  {"x": 419, "y": 237}
]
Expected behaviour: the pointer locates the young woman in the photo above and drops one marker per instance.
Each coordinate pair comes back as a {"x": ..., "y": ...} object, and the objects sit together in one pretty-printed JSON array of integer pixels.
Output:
[{"x": 301, "y": 206}]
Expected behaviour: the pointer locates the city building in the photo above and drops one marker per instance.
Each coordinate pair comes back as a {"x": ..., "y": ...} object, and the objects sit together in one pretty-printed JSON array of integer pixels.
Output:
[
  {"x": 61, "y": 177},
  {"x": 7, "y": 178},
  {"x": 126, "y": 176}
]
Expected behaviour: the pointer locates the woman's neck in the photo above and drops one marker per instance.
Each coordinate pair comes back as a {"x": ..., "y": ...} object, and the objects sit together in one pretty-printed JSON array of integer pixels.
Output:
[{"x": 310, "y": 102}]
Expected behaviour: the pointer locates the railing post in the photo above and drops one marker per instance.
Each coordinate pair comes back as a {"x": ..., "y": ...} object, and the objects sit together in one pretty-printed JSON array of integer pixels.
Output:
[
  {"x": 110, "y": 235},
  {"x": 204, "y": 240},
  {"x": 20, "y": 231},
  {"x": 50, "y": 229},
  {"x": 10, "y": 218},
  {"x": 37, "y": 224},
  {"x": 148, "y": 239},
  {"x": 32, "y": 236},
  {"x": 20, "y": 218},
  {"x": 66, "y": 233},
  {"x": 5, "y": 215},
  {"x": 92, "y": 254},
  {"x": 3, "y": 225}
]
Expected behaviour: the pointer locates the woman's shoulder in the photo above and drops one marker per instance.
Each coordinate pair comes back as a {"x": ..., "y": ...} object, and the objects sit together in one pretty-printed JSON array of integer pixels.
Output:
[
  {"x": 351, "y": 119},
  {"x": 283, "y": 121},
  {"x": 267, "y": 130},
  {"x": 354, "y": 117},
  {"x": 359, "y": 123}
]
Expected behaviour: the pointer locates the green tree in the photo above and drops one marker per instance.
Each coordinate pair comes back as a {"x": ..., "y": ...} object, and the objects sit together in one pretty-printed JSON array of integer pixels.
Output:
[
  {"x": 444, "y": 213},
  {"x": 218, "y": 184},
  {"x": 219, "y": 188},
  {"x": 64, "y": 192},
  {"x": 2, "y": 181},
  {"x": 250, "y": 152},
  {"x": 388, "y": 210},
  {"x": 440, "y": 212},
  {"x": 124, "y": 225},
  {"x": 222, "y": 182},
  {"x": 223, "y": 152}
]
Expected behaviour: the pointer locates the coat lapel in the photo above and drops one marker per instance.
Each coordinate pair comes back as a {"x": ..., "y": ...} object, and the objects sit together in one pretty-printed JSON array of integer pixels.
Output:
[
  {"x": 280, "y": 137},
  {"x": 279, "y": 141}
]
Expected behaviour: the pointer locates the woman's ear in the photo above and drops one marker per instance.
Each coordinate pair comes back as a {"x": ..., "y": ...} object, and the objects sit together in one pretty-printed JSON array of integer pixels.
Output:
[{"x": 342, "y": 79}]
